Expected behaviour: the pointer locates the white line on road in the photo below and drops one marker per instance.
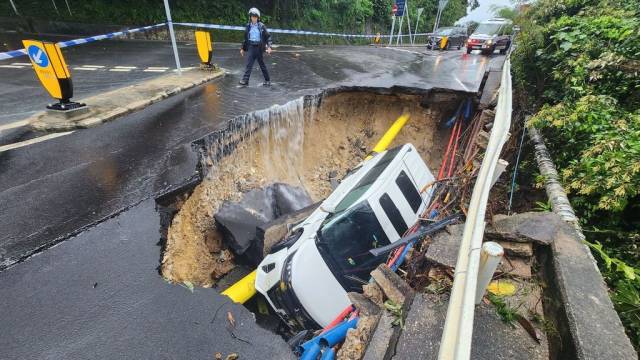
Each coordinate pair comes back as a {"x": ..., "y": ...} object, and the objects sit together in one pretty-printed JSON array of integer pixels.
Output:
[
  {"x": 126, "y": 67},
  {"x": 157, "y": 68},
  {"x": 154, "y": 70},
  {"x": 33, "y": 141},
  {"x": 93, "y": 66},
  {"x": 14, "y": 125},
  {"x": 120, "y": 70},
  {"x": 85, "y": 68},
  {"x": 21, "y": 64},
  {"x": 11, "y": 66}
]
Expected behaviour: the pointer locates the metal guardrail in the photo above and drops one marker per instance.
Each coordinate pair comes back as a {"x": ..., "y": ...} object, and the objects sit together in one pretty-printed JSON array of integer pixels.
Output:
[{"x": 458, "y": 328}]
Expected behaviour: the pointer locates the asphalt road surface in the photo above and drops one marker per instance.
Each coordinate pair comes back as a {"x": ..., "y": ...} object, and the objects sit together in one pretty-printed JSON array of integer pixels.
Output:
[{"x": 100, "y": 290}]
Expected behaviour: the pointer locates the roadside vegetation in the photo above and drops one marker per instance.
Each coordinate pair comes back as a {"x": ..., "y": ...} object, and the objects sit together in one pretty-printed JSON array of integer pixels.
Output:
[
  {"x": 577, "y": 70},
  {"x": 320, "y": 15}
]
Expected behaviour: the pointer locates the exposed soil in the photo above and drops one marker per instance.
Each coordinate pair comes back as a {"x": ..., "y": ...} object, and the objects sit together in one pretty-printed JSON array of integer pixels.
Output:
[{"x": 305, "y": 152}]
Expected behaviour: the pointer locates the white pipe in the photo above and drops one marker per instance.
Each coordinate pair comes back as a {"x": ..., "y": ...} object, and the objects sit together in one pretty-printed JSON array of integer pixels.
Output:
[
  {"x": 458, "y": 328},
  {"x": 173, "y": 36},
  {"x": 490, "y": 257}
]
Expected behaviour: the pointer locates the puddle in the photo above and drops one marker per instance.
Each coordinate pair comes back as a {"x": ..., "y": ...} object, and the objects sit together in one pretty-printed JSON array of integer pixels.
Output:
[{"x": 305, "y": 143}]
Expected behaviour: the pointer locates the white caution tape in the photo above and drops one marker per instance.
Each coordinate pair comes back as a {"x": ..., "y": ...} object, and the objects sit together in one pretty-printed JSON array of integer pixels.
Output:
[{"x": 63, "y": 44}]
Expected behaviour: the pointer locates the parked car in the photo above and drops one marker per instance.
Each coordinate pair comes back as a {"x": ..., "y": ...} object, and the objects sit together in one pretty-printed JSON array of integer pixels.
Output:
[
  {"x": 306, "y": 278},
  {"x": 456, "y": 37},
  {"x": 491, "y": 35}
]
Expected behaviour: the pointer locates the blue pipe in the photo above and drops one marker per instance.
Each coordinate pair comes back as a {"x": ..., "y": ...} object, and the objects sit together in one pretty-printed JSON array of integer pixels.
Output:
[
  {"x": 312, "y": 352},
  {"x": 328, "y": 354},
  {"x": 337, "y": 334},
  {"x": 330, "y": 339}
]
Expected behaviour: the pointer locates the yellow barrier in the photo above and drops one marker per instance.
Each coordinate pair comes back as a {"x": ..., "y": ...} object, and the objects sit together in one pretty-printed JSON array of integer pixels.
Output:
[
  {"x": 443, "y": 42},
  {"x": 244, "y": 289},
  {"x": 205, "y": 49},
  {"x": 50, "y": 68}
]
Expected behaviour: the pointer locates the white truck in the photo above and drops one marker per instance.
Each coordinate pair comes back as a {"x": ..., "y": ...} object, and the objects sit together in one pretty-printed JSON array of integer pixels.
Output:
[{"x": 306, "y": 277}]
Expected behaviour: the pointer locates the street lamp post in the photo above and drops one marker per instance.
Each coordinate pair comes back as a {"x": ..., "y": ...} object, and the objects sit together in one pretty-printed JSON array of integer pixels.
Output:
[
  {"x": 415, "y": 31},
  {"x": 173, "y": 36}
]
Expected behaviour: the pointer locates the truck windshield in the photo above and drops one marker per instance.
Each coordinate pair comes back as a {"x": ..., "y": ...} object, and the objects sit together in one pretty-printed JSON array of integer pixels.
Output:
[
  {"x": 346, "y": 240},
  {"x": 487, "y": 29}
]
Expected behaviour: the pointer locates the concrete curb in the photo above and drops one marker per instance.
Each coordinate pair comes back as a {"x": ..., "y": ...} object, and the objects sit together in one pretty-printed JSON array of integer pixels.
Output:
[{"x": 113, "y": 104}]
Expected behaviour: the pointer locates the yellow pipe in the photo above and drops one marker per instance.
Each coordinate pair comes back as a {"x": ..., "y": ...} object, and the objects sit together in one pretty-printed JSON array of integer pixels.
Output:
[
  {"x": 244, "y": 289},
  {"x": 389, "y": 136}
]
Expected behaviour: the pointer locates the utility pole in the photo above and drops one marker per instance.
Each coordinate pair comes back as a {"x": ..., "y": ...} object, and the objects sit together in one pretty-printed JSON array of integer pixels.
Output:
[
  {"x": 393, "y": 23},
  {"x": 441, "y": 5},
  {"x": 173, "y": 36}
]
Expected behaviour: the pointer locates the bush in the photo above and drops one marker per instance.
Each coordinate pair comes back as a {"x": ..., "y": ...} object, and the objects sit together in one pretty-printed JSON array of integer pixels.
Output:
[{"x": 577, "y": 65}]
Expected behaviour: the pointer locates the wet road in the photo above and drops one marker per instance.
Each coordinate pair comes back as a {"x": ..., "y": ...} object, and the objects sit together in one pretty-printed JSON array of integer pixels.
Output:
[{"x": 60, "y": 187}]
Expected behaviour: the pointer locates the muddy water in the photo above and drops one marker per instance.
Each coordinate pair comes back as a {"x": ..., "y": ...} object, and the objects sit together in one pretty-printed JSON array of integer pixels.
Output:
[{"x": 304, "y": 142}]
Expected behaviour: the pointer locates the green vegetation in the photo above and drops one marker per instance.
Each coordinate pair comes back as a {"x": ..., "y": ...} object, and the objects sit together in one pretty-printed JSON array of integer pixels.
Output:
[
  {"x": 577, "y": 68},
  {"x": 321, "y": 15}
]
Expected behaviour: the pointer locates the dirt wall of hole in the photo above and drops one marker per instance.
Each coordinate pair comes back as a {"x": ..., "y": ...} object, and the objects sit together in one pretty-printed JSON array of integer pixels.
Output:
[{"x": 333, "y": 138}]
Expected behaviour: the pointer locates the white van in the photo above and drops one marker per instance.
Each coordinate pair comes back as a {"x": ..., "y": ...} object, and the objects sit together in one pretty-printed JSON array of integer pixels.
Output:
[{"x": 307, "y": 276}]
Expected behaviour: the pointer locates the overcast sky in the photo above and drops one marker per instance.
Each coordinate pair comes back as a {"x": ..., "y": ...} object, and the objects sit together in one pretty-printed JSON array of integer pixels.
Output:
[{"x": 483, "y": 12}]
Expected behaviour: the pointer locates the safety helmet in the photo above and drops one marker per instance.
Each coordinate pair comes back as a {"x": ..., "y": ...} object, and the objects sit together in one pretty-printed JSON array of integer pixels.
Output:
[{"x": 254, "y": 11}]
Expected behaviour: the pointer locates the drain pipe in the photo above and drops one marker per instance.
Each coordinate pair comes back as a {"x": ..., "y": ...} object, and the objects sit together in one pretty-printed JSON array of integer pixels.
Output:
[
  {"x": 555, "y": 192},
  {"x": 458, "y": 327},
  {"x": 244, "y": 289}
]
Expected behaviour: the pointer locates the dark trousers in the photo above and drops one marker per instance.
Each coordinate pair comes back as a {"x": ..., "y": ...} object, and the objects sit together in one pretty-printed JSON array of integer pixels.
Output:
[{"x": 254, "y": 53}]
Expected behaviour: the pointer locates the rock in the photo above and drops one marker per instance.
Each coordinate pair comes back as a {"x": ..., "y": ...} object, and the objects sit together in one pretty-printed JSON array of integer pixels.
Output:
[
  {"x": 396, "y": 289},
  {"x": 444, "y": 248},
  {"x": 538, "y": 227},
  {"x": 238, "y": 225},
  {"x": 523, "y": 250},
  {"x": 374, "y": 293}
]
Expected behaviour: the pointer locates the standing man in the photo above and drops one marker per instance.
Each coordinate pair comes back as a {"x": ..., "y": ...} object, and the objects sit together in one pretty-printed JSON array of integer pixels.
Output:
[{"x": 256, "y": 41}]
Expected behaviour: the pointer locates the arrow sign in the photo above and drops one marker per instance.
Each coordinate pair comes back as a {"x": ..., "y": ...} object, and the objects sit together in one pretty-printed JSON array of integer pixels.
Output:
[{"x": 38, "y": 56}]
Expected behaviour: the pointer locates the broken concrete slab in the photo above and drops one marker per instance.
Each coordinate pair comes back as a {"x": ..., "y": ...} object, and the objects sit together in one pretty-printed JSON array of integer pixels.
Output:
[
  {"x": 393, "y": 286},
  {"x": 492, "y": 338},
  {"x": 240, "y": 221},
  {"x": 357, "y": 339},
  {"x": 113, "y": 104},
  {"x": 538, "y": 227},
  {"x": 364, "y": 306},
  {"x": 383, "y": 342},
  {"x": 517, "y": 249},
  {"x": 445, "y": 245},
  {"x": 374, "y": 293}
]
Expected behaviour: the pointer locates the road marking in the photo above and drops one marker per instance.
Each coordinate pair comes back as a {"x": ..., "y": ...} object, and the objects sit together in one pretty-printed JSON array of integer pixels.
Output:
[
  {"x": 154, "y": 70},
  {"x": 126, "y": 67},
  {"x": 33, "y": 141},
  {"x": 86, "y": 68},
  {"x": 21, "y": 64},
  {"x": 11, "y": 66},
  {"x": 121, "y": 70},
  {"x": 93, "y": 66},
  {"x": 14, "y": 125},
  {"x": 157, "y": 68}
]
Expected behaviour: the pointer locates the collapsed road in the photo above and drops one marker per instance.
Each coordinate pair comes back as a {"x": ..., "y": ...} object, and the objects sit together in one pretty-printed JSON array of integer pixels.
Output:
[{"x": 99, "y": 291}]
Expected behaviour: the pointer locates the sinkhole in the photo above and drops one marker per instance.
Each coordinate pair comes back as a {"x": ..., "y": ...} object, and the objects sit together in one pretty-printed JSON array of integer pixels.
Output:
[{"x": 310, "y": 143}]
